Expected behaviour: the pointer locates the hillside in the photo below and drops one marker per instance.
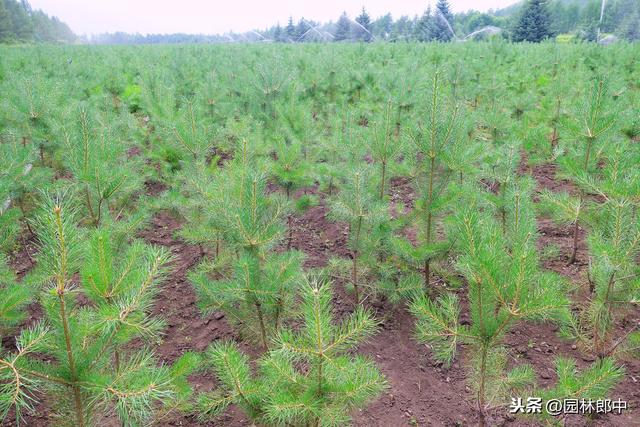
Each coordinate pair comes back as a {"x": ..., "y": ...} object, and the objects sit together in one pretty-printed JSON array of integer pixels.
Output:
[{"x": 19, "y": 24}]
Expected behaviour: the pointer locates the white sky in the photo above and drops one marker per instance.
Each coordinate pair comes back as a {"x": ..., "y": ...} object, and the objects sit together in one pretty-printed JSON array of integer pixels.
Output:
[{"x": 215, "y": 16}]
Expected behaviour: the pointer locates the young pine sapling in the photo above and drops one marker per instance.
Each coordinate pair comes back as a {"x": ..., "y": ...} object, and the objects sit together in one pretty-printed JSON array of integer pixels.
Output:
[
  {"x": 88, "y": 369},
  {"x": 506, "y": 285},
  {"x": 433, "y": 141},
  {"x": 366, "y": 215},
  {"x": 590, "y": 124},
  {"x": 308, "y": 378},
  {"x": 258, "y": 293}
]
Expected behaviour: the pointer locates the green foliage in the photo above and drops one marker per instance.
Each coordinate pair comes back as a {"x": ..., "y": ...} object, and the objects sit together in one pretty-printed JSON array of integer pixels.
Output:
[
  {"x": 18, "y": 23},
  {"x": 312, "y": 114},
  {"x": 534, "y": 24},
  {"x": 385, "y": 146},
  {"x": 89, "y": 367},
  {"x": 436, "y": 140},
  {"x": 366, "y": 216},
  {"x": 505, "y": 285},
  {"x": 282, "y": 393},
  {"x": 259, "y": 296},
  {"x": 592, "y": 383},
  {"x": 190, "y": 136},
  {"x": 442, "y": 22},
  {"x": 614, "y": 245},
  {"x": 19, "y": 179},
  {"x": 96, "y": 155},
  {"x": 290, "y": 168},
  {"x": 15, "y": 297},
  {"x": 258, "y": 293}
]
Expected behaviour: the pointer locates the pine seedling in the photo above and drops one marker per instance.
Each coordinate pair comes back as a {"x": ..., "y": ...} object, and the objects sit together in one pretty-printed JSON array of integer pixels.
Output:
[
  {"x": 296, "y": 124},
  {"x": 269, "y": 83},
  {"x": 89, "y": 371},
  {"x": 258, "y": 293},
  {"x": 503, "y": 173},
  {"x": 18, "y": 179},
  {"x": 290, "y": 170},
  {"x": 587, "y": 385},
  {"x": 366, "y": 215},
  {"x": 567, "y": 210},
  {"x": 284, "y": 393},
  {"x": 190, "y": 133},
  {"x": 614, "y": 244},
  {"x": 433, "y": 142},
  {"x": 589, "y": 126},
  {"x": 506, "y": 285},
  {"x": 331, "y": 158},
  {"x": 97, "y": 158},
  {"x": 15, "y": 297},
  {"x": 385, "y": 146},
  {"x": 259, "y": 296},
  {"x": 30, "y": 113},
  {"x": 196, "y": 200}
]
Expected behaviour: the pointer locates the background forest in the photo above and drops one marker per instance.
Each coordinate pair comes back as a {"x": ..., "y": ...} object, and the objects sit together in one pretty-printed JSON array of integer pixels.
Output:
[{"x": 575, "y": 19}]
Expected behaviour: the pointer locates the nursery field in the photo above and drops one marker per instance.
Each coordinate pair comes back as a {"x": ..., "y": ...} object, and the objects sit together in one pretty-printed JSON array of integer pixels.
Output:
[{"x": 320, "y": 235}]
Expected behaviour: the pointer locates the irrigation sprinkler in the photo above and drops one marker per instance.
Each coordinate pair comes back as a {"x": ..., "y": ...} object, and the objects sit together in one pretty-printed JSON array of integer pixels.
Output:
[
  {"x": 314, "y": 29},
  {"x": 602, "y": 6},
  {"x": 488, "y": 29},
  {"x": 446, "y": 21},
  {"x": 363, "y": 27}
]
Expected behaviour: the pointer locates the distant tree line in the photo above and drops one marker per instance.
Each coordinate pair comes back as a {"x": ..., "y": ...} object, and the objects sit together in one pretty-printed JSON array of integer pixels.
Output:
[
  {"x": 19, "y": 23},
  {"x": 529, "y": 20}
]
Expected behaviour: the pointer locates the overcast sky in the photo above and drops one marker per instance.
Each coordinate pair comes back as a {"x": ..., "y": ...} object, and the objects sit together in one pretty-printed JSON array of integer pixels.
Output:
[{"x": 215, "y": 16}]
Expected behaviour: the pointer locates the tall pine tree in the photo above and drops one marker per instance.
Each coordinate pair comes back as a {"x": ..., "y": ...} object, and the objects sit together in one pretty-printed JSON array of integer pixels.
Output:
[
  {"x": 301, "y": 29},
  {"x": 363, "y": 31},
  {"x": 443, "y": 22},
  {"x": 534, "y": 24},
  {"x": 290, "y": 31},
  {"x": 425, "y": 26},
  {"x": 343, "y": 29}
]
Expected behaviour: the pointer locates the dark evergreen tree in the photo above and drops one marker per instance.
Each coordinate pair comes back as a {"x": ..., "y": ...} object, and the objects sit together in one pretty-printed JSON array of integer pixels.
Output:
[
  {"x": 343, "y": 29},
  {"x": 442, "y": 22},
  {"x": 425, "y": 27},
  {"x": 290, "y": 31},
  {"x": 19, "y": 23},
  {"x": 630, "y": 25},
  {"x": 383, "y": 26},
  {"x": 21, "y": 26},
  {"x": 277, "y": 33},
  {"x": 363, "y": 30},
  {"x": 534, "y": 24},
  {"x": 401, "y": 29},
  {"x": 301, "y": 30}
]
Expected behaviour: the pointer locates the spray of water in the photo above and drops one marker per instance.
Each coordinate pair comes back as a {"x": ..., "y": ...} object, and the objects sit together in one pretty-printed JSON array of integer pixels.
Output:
[
  {"x": 314, "y": 29},
  {"x": 258, "y": 34},
  {"x": 489, "y": 29},
  {"x": 444, "y": 19},
  {"x": 602, "y": 6},
  {"x": 364, "y": 28}
]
